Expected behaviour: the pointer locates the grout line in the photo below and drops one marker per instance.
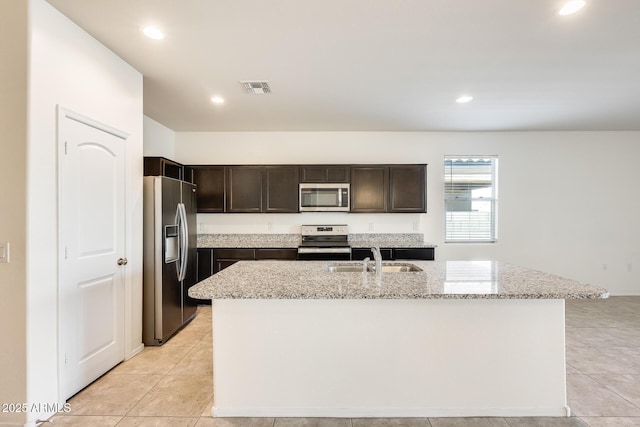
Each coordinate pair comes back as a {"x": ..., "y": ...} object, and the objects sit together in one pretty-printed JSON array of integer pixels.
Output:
[{"x": 610, "y": 389}]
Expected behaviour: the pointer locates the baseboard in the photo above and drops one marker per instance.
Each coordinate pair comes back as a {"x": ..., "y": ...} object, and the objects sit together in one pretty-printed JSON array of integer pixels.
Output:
[
  {"x": 379, "y": 412},
  {"x": 134, "y": 352}
]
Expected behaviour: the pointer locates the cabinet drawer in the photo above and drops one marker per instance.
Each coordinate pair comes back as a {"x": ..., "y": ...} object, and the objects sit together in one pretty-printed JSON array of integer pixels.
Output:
[
  {"x": 358, "y": 254},
  {"x": 290, "y": 254},
  {"x": 223, "y": 258},
  {"x": 236, "y": 254},
  {"x": 427, "y": 254}
]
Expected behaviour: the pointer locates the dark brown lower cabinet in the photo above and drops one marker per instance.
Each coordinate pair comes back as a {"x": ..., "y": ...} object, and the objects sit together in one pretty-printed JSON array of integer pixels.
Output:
[
  {"x": 205, "y": 268},
  {"x": 426, "y": 254},
  {"x": 283, "y": 253},
  {"x": 358, "y": 254},
  {"x": 223, "y": 258},
  {"x": 394, "y": 254},
  {"x": 205, "y": 263}
]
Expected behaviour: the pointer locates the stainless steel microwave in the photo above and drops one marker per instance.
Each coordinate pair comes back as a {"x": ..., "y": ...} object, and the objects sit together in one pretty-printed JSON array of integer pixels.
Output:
[{"x": 324, "y": 197}]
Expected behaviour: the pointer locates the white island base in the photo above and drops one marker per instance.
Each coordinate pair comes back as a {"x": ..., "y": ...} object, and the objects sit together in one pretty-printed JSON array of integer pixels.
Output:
[{"x": 388, "y": 357}]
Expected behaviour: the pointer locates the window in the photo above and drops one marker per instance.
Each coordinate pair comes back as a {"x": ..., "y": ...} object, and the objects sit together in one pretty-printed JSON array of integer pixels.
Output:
[{"x": 471, "y": 195}]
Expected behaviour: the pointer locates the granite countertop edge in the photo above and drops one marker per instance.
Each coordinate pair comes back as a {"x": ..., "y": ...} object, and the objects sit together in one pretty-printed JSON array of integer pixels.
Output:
[
  {"x": 222, "y": 296},
  {"x": 311, "y": 280}
]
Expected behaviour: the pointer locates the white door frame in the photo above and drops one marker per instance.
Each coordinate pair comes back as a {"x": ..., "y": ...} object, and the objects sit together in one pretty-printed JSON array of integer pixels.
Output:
[{"x": 63, "y": 114}]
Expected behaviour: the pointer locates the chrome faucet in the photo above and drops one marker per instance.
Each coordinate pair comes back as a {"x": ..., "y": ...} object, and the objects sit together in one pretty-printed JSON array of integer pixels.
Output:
[
  {"x": 378, "y": 258},
  {"x": 365, "y": 263}
]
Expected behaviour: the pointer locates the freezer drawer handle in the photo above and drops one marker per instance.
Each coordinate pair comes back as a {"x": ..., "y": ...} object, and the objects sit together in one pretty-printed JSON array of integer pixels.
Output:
[{"x": 122, "y": 261}]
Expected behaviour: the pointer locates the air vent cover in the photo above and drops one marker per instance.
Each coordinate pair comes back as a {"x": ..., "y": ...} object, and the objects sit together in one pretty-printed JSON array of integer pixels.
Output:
[{"x": 257, "y": 87}]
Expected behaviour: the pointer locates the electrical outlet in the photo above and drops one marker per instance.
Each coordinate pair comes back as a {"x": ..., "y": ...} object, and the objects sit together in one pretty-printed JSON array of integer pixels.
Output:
[
  {"x": 371, "y": 227},
  {"x": 270, "y": 226},
  {"x": 415, "y": 226},
  {"x": 4, "y": 252}
]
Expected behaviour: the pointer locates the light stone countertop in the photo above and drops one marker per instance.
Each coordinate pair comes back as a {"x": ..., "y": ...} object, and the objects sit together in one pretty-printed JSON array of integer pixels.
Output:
[
  {"x": 439, "y": 279},
  {"x": 248, "y": 240},
  {"x": 387, "y": 240}
]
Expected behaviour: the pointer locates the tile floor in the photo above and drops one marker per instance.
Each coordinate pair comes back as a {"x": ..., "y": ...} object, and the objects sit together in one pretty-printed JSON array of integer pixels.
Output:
[{"x": 171, "y": 385}]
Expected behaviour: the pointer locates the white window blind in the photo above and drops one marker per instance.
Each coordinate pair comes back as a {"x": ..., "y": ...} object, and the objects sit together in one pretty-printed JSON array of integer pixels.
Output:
[{"x": 471, "y": 195}]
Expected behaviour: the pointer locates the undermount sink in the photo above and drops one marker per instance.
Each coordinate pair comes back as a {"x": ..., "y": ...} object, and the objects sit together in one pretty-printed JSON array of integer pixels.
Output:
[
  {"x": 345, "y": 268},
  {"x": 400, "y": 268},
  {"x": 387, "y": 267}
]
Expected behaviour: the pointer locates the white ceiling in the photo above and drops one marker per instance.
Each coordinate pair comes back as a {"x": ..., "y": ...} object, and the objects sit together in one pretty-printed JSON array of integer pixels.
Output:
[{"x": 378, "y": 65}]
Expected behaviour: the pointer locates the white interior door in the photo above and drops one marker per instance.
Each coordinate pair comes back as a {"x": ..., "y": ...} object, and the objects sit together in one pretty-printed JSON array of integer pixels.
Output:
[{"x": 92, "y": 259}]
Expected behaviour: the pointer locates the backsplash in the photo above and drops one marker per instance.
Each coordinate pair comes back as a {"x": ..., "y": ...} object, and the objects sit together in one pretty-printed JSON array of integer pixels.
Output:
[
  {"x": 249, "y": 240},
  {"x": 290, "y": 223},
  {"x": 292, "y": 240},
  {"x": 382, "y": 238}
]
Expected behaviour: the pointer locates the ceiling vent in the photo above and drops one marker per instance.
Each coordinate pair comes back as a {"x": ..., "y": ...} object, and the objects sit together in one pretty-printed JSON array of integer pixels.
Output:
[{"x": 257, "y": 87}]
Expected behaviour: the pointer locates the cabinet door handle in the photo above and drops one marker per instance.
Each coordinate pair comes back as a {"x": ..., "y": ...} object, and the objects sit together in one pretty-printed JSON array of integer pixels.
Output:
[{"x": 122, "y": 261}]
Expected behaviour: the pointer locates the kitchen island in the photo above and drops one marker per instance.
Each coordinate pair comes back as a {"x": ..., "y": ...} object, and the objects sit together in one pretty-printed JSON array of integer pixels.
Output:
[{"x": 459, "y": 338}]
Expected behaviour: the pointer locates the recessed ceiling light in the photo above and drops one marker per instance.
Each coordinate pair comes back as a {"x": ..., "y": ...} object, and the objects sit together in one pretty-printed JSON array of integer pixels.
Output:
[
  {"x": 153, "y": 33},
  {"x": 217, "y": 100},
  {"x": 571, "y": 7},
  {"x": 464, "y": 99}
]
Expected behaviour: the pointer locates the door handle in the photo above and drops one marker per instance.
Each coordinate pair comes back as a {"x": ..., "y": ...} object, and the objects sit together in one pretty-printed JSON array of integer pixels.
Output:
[{"x": 122, "y": 261}]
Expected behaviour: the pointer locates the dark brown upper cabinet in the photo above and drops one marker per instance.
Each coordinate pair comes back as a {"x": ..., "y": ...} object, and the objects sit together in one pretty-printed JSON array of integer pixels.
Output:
[
  {"x": 160, "y": 166},
  {"x": 407, "y": 188},
  {"x": 244, "y": 188},
  {"x": 369, "y": 189},
  {"x": 322, "y": 173},
  {"x": 270, "y": 189},
  {"x": 274, "y": 188},
  {"x": 281, "y": 189},
  {"x": 392, "y": 188},
  {"x": 210, "y": 192}
]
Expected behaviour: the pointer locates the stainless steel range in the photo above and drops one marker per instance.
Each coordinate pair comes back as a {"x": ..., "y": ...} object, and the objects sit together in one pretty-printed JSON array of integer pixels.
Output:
[{"x": 324, "y": 242}]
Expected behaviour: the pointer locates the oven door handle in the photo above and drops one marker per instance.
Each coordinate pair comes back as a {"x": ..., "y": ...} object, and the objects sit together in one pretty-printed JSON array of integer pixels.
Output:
[{"x": 324, "y": 250}]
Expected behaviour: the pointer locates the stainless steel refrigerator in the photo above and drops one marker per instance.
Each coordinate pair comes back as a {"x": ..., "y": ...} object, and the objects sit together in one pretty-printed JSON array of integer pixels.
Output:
[{"x": 170, "y": 257}]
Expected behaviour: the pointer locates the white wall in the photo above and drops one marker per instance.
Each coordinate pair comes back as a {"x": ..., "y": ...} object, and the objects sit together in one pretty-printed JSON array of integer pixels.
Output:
[
  {"x": 159, "y": 140},
  {"x": 70, "y": 68},
  {"x": 568, "y": 200},
  {"x": 13, "y": 204}
]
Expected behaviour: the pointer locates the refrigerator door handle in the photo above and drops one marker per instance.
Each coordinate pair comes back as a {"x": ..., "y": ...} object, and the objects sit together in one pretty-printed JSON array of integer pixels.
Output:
[
  {"x": 178, "y": 222},
  {"x": 184, "y": 242}
]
